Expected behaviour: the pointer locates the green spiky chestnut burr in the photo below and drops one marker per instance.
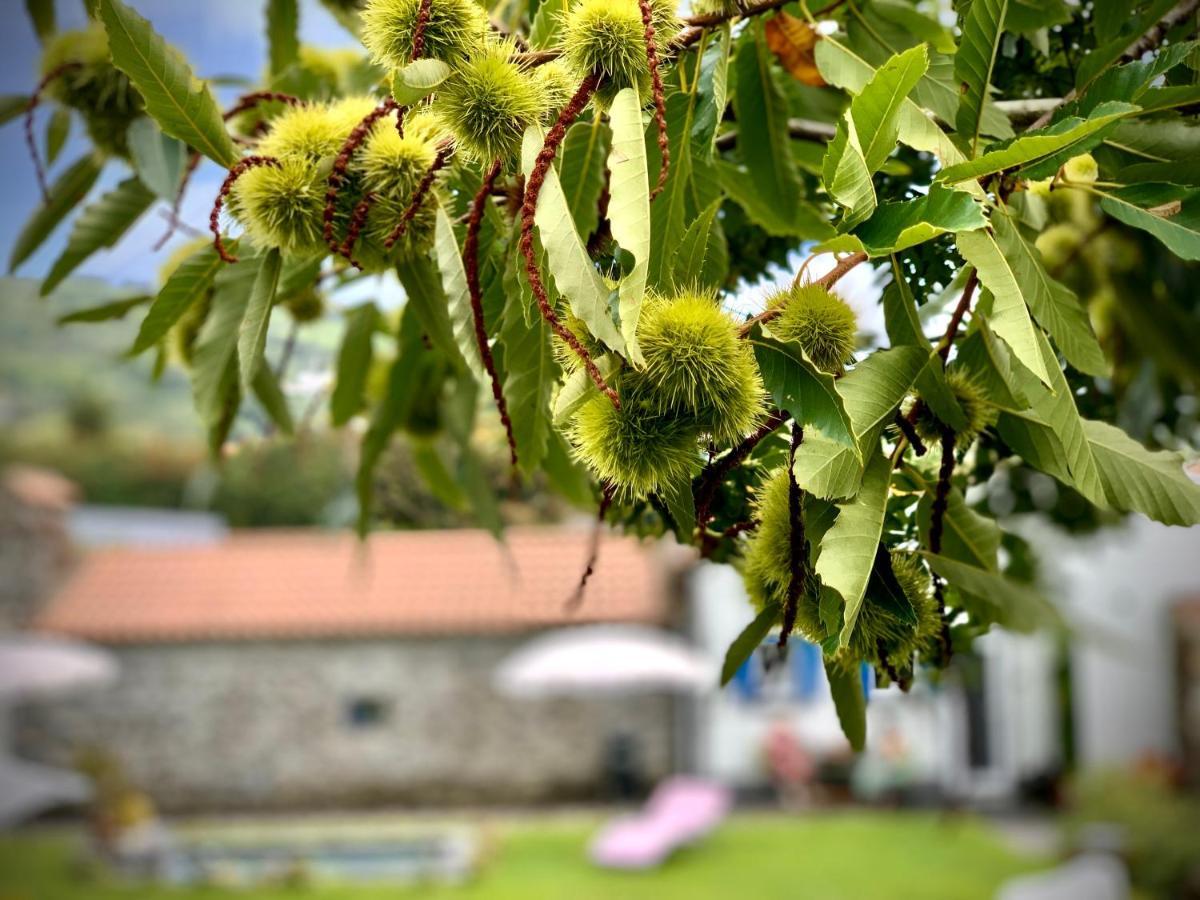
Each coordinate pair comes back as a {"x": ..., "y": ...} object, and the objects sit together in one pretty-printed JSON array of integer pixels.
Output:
[
  {"x": 608, "y": 37},
  {"x": 487, "y": 104},
  {"x": 972, "y": 400},
  {"x": 696, "y": 366},
  {"x": 454, "y": 30},
  {"x": 822, "y": 323},
  {"x": 633, "y": 448}
]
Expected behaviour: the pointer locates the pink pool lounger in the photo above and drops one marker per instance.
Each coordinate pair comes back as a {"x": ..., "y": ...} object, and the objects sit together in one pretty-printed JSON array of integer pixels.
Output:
[{"x": 680, "y": 811}]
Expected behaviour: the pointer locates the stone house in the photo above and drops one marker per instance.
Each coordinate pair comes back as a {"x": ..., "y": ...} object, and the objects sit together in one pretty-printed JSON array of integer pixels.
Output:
[{"x": 299, "y": 669}]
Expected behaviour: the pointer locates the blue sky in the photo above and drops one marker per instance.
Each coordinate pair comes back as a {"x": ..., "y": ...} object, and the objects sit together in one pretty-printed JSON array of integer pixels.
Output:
[{"x": 219, "y": 37}]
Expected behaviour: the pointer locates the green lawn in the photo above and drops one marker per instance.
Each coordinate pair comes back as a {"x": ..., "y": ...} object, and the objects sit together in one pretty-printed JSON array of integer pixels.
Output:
[{"x": 855, "y": 855}]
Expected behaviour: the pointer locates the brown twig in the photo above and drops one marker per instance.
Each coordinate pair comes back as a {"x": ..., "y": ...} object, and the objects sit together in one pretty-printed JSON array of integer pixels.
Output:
[
  {"x": 797, "y": 545},
  {"x": 660, "y": 107},
  {"x": 235, "y": 172},
  {"x": 828, "y": 280},
  {"x": 418, "y": 198},
  {"x": 533, "y": 189},
  {"x": 337, "y": 174},
  {"x": 910, "y": 433},
  {"x": 251, "y": 100},
  {"x": 964, "y": 304},
  {"x": 30, "y": 107},
  {"x": 470, "y": 257},
  {"x": 714, "y": 473},
  {"x": 607, "y": 491}
]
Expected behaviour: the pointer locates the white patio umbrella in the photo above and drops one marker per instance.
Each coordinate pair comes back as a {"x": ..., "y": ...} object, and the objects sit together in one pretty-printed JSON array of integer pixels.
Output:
[
  {"x": 604, "y": 659},
  {"x": 36, "y": 665}
]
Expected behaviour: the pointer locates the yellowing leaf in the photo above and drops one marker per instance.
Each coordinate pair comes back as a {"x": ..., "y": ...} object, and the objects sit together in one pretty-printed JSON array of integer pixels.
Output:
[{"x": 794, "y": 41}]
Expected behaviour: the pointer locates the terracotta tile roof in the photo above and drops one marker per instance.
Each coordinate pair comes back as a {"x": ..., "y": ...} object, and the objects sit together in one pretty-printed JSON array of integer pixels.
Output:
[{"x": 295, "y": 584}]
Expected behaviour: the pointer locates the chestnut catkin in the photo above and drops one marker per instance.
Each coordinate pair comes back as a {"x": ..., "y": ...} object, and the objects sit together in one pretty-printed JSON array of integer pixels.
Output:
[
  {"x": 533, "y": 189},
  {"x": 470, "y": 257}
]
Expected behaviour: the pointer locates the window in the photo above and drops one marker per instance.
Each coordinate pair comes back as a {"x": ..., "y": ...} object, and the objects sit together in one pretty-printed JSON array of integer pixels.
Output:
[{"x": 366, "y": 712}]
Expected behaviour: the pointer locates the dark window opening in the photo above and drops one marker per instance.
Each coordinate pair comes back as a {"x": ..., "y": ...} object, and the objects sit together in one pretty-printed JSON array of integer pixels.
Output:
[{"x": 366, "y": 712}]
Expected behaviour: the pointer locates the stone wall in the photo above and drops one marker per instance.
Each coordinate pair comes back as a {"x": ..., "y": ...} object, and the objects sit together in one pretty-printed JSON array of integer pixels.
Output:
[{"x": 243, "y": 725}]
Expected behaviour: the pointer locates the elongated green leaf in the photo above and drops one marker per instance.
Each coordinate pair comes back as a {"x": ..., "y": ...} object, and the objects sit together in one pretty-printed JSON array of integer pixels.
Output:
[
  {"x": 849, "y": 700},
  {"x": 183, "y": 107},
  {"x": 875, "y": 111},
  {"x": 454, "y": 283},
  {"x": 252, "y": 333},
  {"x": 629, "y": 210},
  {"x": 353, "y": 363},
  {"x": 190, "y": 281},
  {"x": 283, "y": 37},
  {"x": 546, "y": 30},
  {"x": 65, "y": 194},
  {"x": 270, "y": 396},
  {"x": 712, "y": 86},
  {"x": 105, "y": 312},
  {"x": 423, "y": 289},
  {"x": 762, "y": 115},
  {"x": 58, "y": 129},
  {"x": 803, "y": 220},
  {"x": 982, "y": 28},
  {"x": 578, "y": 387},
  {"x": 418, "y": 80},
  {"x": 846, "y": 176},
  {"x": 1015, "y": 606},
  {"x": 1070, "y": 136},
  {"x": 575, "y": 276},
  {"x": 843, "y": 68},
  {"x": 100, "y": 225},
  {"x": 214, "y": 362},
  {"x": 904, "y": 329},
  {"x": 989, "y": 363},
  {"x": 1171, "y": 215},
  {"x": 897, "y": 226},
  {"x": 1055, "y": 306},
  {"x": 967, "y": 536},
  {"x": 748, "y": 641},
  {"x": 437, "y": 476},
  {"x": 1141, "y": 480},
  {"x": 799, "y": 387},
  {"x": 11, "y": 106},
  {"x": 530, "y": 374},
  {"x": 875, "y": 387},
  {"x": 158, "y": 160},
  {"x": 827, "y": 469},
  {"x": 1010, "y": 316},
  {"x": 700, "y": 239},
  {"x": 1051, "y": 436},
  {"x": 581, "y": 171},
  {"x": 848, "y": 548},
  {"x": 41, "y": 14},
  {"x": 392, "y": 409}
]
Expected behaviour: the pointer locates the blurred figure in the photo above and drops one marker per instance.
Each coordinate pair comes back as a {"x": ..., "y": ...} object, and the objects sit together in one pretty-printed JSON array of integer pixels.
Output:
[{"x": 791, "y": 767}]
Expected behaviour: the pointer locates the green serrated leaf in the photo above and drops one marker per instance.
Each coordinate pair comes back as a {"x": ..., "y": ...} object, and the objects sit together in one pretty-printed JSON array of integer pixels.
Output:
[
  {"x": 283, "y": 37},
  {"x": 353, "y": 363},
  {"x": 967, "y": 536},
  {"x": 105, "y": 312},
  {"x": 65, "y": 194},
  {"x": 1055, "y": 306},
  {"x": 190, "y": 281},
  {"x": 848, "y": 548},
  {"x": 183, "y": 107},
  {"x": 581, "y": 171},
  {"x": 1010, "y": 315},
  {"x": 12, "y": 106},
  {"x": 214, "y": 362},
  {"x": 897, "y": 226},
  {"x": 100, "y": 225},
  {"x": 158, "y": 160},
  {"x": 800, "y": 388},
  {"x": 252, "y": 333},
  {"x": 58, "y": 129},
  {"x": 578, "y": 387},
  {"x": 629, "y": 210},
  {"x": 1141, "y": 480},
  {"x": 1014, "y": 605},
  {"x": 458, "y": 296},
  {"x": 982, "y": 28},
  {"x": 574, "y": 274},
  {"x": 712, "y": 91},
  {"x": 688, "y": 267},
  {"x": 425, "y": 294},
  {"x": 1068, "y": 137},
  {"x": 270, "y": 397},
  {"x": 1168, "y": 213},
  {"x": 850, "y": 702},
  {"x": 41, "y": 15},
  {"x": 748, "y": 641},
  {"x": 531, "y": 374},
  {"x": 762, "y": 114}
]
